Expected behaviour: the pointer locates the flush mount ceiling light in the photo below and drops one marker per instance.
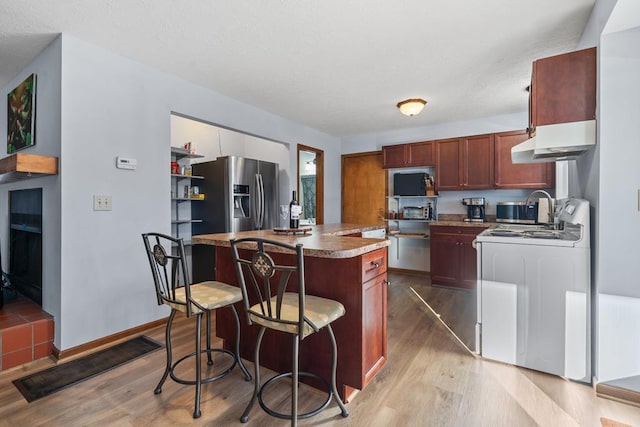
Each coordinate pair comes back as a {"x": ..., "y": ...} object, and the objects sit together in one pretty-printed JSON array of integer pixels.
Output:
[{"x": 411, "y": 107}]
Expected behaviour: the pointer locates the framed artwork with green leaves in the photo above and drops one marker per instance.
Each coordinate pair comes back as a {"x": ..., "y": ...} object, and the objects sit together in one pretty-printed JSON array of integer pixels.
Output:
[{"x": 21, "y": 115}]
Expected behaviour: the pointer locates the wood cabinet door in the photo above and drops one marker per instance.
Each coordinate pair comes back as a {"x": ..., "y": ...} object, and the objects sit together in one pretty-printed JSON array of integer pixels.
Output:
[
  {"x": 394, "y": 156},
  {"x": 468, "y": 263},
  {"x": 510, "y": 175},
  {"x": 444, "y": 259},
  {"x": 374, "y": 306},
  {"x": 364, "y": 188},
  {"x": 421, "y": 154},
  {"x": 477, "y": 162},
  {"x": 563, "y": 88},
  {"x": 447, "y": 164},
  {"x": 453, "y": 258}
]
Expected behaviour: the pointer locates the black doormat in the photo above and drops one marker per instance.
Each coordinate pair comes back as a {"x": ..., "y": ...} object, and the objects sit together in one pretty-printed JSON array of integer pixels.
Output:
[{"x": 59, "y": 377}]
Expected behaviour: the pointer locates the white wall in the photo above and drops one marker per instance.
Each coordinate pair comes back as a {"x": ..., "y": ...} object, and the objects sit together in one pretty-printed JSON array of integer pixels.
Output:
[
  {"x": 618, "y": 268},
  {"x": 47, "y": 67},
  {"x": 111, "y": 106},
  {"x": 375, "y": 141}
]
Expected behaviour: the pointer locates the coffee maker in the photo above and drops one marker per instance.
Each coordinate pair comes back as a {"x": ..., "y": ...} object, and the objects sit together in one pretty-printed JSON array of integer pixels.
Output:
[{"x": 475, "y": 209}]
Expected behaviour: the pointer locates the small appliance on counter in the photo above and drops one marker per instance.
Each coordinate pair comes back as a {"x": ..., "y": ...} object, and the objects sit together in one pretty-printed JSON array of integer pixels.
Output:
[
  {"x": 475, "y": 209},
  {"x": 517, "y": 212}
]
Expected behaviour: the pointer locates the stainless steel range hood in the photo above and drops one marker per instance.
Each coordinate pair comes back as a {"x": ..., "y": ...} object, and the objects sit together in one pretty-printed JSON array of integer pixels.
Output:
[{"x": 556, "y": 142}]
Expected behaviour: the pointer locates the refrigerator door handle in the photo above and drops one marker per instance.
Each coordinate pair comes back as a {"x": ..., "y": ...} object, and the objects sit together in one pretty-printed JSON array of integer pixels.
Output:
[
  {"x": 256, "y": 202},
  {"x": 259, "y": 202},
  {"x": 262, "y": 202}
]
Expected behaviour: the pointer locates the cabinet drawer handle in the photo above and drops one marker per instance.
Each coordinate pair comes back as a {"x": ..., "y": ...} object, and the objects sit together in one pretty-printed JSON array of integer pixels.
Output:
[
  {"x": 387, "y": 282},
  {"x": 375, "y": 264}
]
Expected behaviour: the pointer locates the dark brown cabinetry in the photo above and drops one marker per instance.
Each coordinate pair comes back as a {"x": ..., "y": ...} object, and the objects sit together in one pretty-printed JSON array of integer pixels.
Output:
[
  {"x": 374, "y": 313},
  {"x": 415, "y": 154},
  {"x": 510, "y": 175},
  {"x": 465, "y": 163},
  {"x": 477, "y": 162},
  {"x": 447, "y": 164},
  {"x": 359, "y": 283},
  {"x": 453, "y": 258},
  {"x": 563, "y": 89}
]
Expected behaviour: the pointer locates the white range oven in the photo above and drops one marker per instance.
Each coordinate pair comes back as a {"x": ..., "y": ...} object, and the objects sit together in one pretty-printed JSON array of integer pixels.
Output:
[{"x": 534, "y": 292}]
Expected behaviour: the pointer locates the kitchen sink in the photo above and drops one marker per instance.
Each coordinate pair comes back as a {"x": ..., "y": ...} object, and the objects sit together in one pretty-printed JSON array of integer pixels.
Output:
[
  {"x": 502, "y": 232},
  {"x": 543, "y": 234}
]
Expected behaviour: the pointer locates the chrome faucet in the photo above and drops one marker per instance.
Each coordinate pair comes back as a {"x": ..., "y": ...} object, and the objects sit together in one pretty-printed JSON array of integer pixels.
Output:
[{"x": 552, "y": 218}]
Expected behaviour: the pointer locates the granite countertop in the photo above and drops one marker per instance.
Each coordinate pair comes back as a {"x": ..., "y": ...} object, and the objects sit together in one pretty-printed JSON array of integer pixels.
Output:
[{"x": 323, "y": 241}]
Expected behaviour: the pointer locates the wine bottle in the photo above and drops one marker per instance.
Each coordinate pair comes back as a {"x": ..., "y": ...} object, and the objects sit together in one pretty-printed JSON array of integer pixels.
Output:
[{"x": 294, "y": 212}]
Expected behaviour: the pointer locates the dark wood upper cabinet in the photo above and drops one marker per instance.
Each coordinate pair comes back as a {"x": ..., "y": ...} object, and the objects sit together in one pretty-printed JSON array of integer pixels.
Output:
[
  {"x": 393, "y": 156},
  {"x": 464, "y": 163},
  {"x": 477, "y": 162},
  {"x": 448, "y": 167},
  {"x": 510, "y": 175},
  {"x": 415, "y": 154},
  {"x": 563, "y": 89},
  {"x": 421, "y": 154}
]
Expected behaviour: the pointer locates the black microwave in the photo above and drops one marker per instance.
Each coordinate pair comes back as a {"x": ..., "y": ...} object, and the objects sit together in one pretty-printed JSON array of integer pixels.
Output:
[
  {"x": 410, "y": 184},
  {"x": 517, "y": 212}
]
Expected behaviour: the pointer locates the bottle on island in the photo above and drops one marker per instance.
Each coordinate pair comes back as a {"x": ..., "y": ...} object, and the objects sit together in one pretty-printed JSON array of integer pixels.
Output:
[{"x": 294, "y": 212}]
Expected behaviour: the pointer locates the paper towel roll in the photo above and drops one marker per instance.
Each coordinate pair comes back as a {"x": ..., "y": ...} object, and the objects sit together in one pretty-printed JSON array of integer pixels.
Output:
[{"x": 543, "y": 211}]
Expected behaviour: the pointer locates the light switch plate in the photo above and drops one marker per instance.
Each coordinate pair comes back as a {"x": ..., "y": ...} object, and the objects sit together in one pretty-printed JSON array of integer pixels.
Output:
[{"x": 101, "y": 203}]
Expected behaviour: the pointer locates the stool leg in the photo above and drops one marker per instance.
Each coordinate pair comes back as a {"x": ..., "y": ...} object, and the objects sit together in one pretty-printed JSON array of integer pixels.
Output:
[
  {"x": 245, "y": 415},
  {"x": 196, "y": 411},
  {"x": 294, "y": 381},
  {"x": 167, "y": 339},
  {"x": 334, "y": 364},
  {"x": 209, "y": 359},
  {"x": 237, "y": 354}
]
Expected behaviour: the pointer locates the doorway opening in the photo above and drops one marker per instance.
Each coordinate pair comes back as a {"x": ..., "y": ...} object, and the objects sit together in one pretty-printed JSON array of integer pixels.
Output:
[{"x": 311, "y": 184}]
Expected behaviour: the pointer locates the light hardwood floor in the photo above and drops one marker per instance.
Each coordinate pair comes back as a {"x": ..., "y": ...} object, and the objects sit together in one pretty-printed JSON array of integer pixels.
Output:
[{"x": 430, "y": 379}]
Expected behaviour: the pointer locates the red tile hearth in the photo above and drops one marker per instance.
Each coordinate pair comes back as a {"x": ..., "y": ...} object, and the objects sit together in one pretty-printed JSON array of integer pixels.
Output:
[{"x": 26, "y": 333}]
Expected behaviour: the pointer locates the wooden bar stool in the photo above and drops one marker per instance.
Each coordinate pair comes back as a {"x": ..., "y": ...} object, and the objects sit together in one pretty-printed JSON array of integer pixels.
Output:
[{"x": 173, "y": 288}]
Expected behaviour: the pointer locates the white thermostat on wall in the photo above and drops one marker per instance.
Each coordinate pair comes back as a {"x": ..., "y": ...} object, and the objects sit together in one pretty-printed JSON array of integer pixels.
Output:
[{"x": 126, "y": 163}]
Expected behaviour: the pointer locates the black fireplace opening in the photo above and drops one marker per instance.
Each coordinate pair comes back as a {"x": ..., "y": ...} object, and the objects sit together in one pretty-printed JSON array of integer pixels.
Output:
[{"x": 25, "y": 242}]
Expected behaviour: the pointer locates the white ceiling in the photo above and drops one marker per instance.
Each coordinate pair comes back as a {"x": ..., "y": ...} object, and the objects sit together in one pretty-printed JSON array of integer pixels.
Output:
[{"x": 335, "y": 65}]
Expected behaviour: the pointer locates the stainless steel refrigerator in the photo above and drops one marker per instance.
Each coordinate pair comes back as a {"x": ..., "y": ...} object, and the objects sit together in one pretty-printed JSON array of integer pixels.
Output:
[{"x": 240, "y": 194}]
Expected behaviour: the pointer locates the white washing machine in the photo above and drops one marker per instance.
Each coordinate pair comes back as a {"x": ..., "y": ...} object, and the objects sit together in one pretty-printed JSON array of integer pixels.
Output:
[{"x": 534, "y": 294}]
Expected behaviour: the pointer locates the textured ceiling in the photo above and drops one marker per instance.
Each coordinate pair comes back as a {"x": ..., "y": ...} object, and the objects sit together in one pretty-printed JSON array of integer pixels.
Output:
[{"x": 338, "y": 66}]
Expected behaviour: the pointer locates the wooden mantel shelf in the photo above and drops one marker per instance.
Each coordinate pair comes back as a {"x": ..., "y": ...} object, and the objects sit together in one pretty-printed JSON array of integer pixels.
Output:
[{"x": 24, "y": 166}]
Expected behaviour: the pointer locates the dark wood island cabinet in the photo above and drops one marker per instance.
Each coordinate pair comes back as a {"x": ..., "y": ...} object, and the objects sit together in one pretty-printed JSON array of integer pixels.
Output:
[{"x": 351, "y": 270}]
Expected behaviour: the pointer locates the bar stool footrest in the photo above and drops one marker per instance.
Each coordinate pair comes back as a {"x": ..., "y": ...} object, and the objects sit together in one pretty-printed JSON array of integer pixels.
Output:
[
  {"x": 208, "y": 379},
  {"x": 289, "y": 416}
]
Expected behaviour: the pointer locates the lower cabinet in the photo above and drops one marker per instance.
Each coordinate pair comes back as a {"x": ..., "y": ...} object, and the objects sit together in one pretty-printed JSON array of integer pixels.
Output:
[
  {"x": 453, "y": 258},
  {"x": 374, "y": 307}
]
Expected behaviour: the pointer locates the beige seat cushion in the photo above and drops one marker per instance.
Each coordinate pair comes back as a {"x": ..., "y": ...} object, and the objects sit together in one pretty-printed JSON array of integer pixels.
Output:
[
  {"x": 320, "y": 311},
  {"x": 210, "y": 295}
]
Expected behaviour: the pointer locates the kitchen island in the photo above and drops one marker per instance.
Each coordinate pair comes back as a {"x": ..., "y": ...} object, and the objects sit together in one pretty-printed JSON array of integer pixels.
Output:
[{"x": 339, "y": 266}]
